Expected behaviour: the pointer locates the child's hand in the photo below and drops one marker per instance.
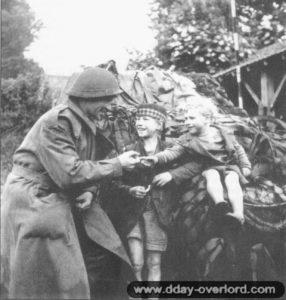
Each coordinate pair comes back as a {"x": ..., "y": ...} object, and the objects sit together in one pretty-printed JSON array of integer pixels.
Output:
[
  {"x": 149, "y": 161},
  {"x": 246, "y": 172},
  {"x": 129, "y": 159},
  {"x": 138, "y": 192},
  {"x": 84, "y": 200},
  {"x": 162, "y": 179}
]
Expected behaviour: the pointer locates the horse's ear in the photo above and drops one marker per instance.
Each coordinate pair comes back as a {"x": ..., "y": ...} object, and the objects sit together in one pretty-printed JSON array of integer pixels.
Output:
[{"x": 111, "y": 66}]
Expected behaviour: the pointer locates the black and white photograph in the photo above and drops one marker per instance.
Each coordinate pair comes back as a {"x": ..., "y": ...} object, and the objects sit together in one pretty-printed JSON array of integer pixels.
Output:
[{"x": 143, "y": 149}]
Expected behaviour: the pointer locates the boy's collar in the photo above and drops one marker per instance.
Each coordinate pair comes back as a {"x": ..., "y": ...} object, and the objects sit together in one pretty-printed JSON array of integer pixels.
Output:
[{"x": 159, "y": 146}]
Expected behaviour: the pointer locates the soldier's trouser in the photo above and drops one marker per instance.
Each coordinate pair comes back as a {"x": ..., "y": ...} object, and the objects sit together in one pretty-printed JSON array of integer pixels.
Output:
[{"x": 103, "y": 267}]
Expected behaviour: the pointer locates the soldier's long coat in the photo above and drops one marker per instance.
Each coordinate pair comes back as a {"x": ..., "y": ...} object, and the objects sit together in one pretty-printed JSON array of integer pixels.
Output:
[{"x": 58, "y": 160}]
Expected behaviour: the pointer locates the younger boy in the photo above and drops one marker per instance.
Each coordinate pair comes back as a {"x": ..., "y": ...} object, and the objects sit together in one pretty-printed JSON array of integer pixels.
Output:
[{"x": 222, "y": 157}]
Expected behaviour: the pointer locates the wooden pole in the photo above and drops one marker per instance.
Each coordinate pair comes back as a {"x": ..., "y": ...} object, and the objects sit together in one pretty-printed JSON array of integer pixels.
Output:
[{"x": 236, "y": 48}]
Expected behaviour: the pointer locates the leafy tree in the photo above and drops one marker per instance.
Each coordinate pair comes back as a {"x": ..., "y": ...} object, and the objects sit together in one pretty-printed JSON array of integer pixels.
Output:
[
  {"x": 19, "y": 29},
  {"x": 22, "y": 79},
  {"x": 22, "y": 100},
  {"x": 140, "y": 61},
  {"x": 196, "y": 35},
  {"x": 25, "y": 94}
]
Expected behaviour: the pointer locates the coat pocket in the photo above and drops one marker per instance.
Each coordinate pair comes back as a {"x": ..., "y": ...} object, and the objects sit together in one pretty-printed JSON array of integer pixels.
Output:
[{"x": 49, "y": 217}]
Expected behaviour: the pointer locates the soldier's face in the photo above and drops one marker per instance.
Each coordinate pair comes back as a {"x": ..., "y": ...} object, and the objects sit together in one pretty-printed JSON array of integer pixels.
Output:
[
  {"x": 93, "y": 109},
  {"x": 147, "y": 126}
]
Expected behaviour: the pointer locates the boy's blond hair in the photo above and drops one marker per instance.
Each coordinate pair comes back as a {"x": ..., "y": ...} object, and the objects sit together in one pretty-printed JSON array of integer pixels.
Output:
[{"x": 203, "y": 105}]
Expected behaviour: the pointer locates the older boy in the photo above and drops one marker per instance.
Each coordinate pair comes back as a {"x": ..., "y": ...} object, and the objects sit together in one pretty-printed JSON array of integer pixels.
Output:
[{"x": 148, "y": 202}]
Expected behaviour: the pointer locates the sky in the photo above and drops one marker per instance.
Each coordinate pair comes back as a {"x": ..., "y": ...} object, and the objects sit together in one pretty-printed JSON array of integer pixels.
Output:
[{"x": 89, "y": 32}]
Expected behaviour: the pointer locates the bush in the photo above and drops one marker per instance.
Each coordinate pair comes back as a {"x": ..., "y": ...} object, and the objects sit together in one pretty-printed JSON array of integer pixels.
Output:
[
  {"x": 21, "y": 103},
  {"x": 24, "y": 100}
]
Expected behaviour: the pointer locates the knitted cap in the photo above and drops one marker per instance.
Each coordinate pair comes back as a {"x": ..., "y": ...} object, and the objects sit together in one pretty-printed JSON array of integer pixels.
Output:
[{"x": 155, "y": 111}]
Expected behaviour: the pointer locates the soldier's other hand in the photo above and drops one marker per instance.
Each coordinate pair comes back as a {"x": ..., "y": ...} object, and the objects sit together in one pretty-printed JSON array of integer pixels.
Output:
[
  {"x": 149, "y": 161},
  {"x": 162, "y": 179},
  {"x": 129, "y": 160},
  {"x": 138, "y": 191},
  {"x": 84, "y": 200},
  {"x": 246, "y": 172}
]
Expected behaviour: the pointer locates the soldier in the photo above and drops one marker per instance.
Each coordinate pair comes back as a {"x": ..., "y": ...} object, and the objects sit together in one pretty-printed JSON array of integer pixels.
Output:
[{"x": 61, "y": 162}]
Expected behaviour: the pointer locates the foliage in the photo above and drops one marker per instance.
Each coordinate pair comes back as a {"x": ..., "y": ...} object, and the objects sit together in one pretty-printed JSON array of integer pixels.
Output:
[
  {"x": 141, "y": 61},
  {"x": 24, "y": 99},
  {"x": 262, "y": 22},
  {"x": 206, "y": 85},
  {"x": 25, "y": 94},
  {"x": 196, "y": 35},
  {"x": 19, "y": 29}
]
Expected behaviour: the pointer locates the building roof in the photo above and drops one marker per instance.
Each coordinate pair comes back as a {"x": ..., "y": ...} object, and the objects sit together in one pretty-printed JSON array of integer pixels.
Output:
[{"x": 261, "y": 54}]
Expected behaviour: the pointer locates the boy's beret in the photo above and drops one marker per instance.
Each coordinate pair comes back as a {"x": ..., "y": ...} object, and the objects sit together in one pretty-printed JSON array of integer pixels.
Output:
[{"x": 155, "y": 111}]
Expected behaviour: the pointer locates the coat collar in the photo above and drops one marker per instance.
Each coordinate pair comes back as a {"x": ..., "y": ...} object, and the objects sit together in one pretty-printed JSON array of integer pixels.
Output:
[
  {"x": 139, "y": 146},
  {"x": 81, "y": 115}
]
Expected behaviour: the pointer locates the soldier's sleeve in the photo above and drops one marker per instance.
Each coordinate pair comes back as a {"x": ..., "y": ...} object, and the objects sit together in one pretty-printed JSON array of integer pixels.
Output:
[
  {"x": 57, "y": 153},
  {"x": 94, "y": 189}
]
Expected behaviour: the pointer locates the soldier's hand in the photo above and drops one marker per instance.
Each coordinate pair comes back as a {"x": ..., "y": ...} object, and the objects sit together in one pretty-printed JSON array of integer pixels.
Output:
[
  {"x": 129, "y": 160},
  {"x": 149, "y": 161},
  {"x": 84, "y": 200},
  {"x": 162, "y": 179},
  {"x": 138, "y": 191}
]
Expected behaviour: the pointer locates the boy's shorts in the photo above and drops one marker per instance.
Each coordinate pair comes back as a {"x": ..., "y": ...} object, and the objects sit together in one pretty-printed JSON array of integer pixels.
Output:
[
  {"x": 224, "y": 170},
  {"x": 149, "y": 231}
]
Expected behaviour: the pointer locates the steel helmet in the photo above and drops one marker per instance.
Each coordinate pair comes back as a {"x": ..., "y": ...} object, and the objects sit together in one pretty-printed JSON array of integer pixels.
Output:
[{"x": 93, "y": 83}]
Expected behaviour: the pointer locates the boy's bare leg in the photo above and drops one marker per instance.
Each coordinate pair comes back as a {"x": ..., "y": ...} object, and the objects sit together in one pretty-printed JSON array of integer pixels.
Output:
[
  {"x": 137, "y": 256},
  {"x": 235, "y": 195},
  {"x": 214, "y": 185},
  {"x": 154, "y": 265}
]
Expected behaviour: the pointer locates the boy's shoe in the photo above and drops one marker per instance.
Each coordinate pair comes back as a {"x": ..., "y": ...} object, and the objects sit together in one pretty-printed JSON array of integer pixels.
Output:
[
  {"x": 232, "y": 222},
  {"x": 221, "y": 209}
]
